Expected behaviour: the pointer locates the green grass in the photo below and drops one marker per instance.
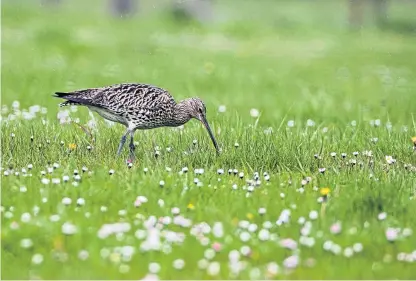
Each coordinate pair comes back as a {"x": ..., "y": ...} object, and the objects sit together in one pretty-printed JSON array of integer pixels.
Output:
[{"x": 293, "y": 61}]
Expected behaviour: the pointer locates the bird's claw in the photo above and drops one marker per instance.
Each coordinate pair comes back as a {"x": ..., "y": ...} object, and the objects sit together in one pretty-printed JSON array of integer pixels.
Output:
[{"x": 131, "y": 158}]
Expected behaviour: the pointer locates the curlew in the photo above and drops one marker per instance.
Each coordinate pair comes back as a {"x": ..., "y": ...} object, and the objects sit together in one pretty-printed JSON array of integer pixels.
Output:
[{"x": 138, "y": 107}]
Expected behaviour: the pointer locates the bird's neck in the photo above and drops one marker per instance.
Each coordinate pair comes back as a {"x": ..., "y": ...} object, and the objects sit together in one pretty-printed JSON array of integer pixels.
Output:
[{"x": 180, "y": 114}]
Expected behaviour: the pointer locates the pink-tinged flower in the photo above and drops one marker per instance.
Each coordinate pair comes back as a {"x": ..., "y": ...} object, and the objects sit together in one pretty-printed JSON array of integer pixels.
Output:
[
  {"x": 392, "y": 234},
  {"x": 137, "y": 203},
  {"x": 336, "y": 228},
  {"x": 288, "y": 243},
  {"x": 14, "y": 225},
  {"x": 291, "y": 262},
  {"x": 216, "y": 246}
]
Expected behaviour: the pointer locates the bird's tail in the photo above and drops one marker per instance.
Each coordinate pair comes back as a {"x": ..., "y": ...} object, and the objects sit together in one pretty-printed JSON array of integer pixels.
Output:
[
  {"x": 65, "y": 95},
  {"x": 61, "y": 94}
]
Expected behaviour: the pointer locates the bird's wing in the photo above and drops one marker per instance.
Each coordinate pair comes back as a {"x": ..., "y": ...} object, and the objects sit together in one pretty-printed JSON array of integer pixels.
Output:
[{"x": 121, "y": 97}]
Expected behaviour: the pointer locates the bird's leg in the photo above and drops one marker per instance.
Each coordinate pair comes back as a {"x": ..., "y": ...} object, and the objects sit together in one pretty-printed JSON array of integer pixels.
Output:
[
  {"x": 122, "y": 142},
  {"x": 132, "y": 146}
]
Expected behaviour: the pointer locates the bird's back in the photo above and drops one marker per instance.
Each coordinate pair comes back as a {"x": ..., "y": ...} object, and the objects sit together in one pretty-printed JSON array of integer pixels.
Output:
[
  {"x": 121, "y": 96},
  {"x": 145, "y": 105}
]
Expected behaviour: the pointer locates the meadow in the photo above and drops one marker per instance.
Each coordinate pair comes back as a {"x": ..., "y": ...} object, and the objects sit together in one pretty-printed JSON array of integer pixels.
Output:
[{"x": 316, "y": 179}]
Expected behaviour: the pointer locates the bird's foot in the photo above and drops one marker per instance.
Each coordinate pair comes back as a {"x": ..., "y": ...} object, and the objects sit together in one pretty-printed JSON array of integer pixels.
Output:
[
  {"x": 129, "y": 162},
  {"x": 131, "y": 158}
]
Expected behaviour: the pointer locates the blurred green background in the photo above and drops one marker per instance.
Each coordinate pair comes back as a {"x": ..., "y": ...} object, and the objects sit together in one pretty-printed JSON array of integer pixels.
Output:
[{"x": 300, "y": 59}]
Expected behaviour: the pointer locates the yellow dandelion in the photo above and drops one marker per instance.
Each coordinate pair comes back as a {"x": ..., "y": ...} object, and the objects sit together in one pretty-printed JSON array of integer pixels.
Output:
[
  {"x": 325, "y": 191},
  {"x": 255, "y": 255},
  {"x": 250, "y": 216},
  {"x": 191, "y": 206},
  {"x": 58, "y": 243},
  {"x": 72, "y": 146}
]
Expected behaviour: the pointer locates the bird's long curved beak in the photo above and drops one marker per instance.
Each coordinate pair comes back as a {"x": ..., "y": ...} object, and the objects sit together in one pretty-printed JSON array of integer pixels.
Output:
[{"x": 205, "y": 122}]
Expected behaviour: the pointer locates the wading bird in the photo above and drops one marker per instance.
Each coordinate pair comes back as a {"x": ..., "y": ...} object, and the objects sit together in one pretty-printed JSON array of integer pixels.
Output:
[{"x": 138, "y": 106}]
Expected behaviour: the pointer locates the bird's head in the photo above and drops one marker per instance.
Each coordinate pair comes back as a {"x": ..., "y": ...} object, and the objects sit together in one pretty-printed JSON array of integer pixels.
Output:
[{"x": 196, "y": 109}]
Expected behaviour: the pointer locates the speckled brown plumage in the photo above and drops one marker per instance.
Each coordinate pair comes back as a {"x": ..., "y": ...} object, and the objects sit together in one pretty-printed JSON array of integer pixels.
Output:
[{"x": 138, "y": 106}]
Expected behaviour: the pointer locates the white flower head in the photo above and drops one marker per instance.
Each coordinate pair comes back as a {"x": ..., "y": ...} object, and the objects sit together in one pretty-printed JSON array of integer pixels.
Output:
[
  {"x": 26, "y": 217},
  {"x": 45, "y": 181},
  {"x": 178, "y": 264},
  {"x": 264, "y": 235},
  {"x": 262, "y": 211},
  {"x": 213, "y": 268},
  {"x": 390, "y": 160},
  {"x": 382, "y": 216},
  {"x": 83, "y": 255},
  {"x": 291, "y": 262},
  {"x": 66, "y": 201},
  {"x": 254, "y": 112},
  {"x": 154, "y": 267},
  {"x": 313, "y": 215},
  {"x": 348, "y": 252},
  {"x": 310, "y": 123},
  {"x": 37, "y": 259},
  {"x": 392, "y": 234},
  {"x": 357, "y": 247},
  {"x": 69, "y": 228},
  {"x": 80, "y": 201}
]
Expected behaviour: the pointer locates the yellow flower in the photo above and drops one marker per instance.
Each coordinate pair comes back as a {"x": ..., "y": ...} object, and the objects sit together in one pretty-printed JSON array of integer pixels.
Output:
[
  {"x": 414, "y": 140},
  {"x": 72, "y": 146},
  {"x": 250, "y": 216},
  {"x": 58, "y": 243},
  {"x": 255, "y": 255},
  {"x": 325, "y": 191},
  {"x": 191, "y": 206}
]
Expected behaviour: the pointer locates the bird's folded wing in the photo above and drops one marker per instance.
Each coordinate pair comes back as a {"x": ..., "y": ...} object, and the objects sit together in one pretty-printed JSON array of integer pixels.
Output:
[{"x": 122, "y": 97}]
